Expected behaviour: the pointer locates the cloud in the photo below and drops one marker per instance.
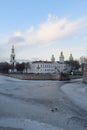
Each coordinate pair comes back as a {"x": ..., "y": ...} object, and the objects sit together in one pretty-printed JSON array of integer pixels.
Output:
[
  {"x": 17, "y": 38},
  {"x": 52, "y": 29}
]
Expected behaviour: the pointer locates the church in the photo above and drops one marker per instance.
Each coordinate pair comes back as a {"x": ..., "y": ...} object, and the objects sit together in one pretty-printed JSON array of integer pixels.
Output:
[
  {"x": 40, "y": 66},
  {"x": 51, "y": 66}
]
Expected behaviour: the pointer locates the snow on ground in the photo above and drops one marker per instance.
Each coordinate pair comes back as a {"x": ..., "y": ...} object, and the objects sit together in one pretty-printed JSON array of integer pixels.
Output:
[
  {"x": 77, "y": 92},
  {"x": 26, "y": 124}
]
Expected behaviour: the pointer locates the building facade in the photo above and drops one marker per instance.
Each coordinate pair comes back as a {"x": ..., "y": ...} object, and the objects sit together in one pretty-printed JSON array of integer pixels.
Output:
[{"x": 46, "y": 67}]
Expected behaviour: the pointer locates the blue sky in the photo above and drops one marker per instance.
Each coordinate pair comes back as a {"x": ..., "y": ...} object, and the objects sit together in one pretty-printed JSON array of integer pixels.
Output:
[{"x": 40, "y": 28}]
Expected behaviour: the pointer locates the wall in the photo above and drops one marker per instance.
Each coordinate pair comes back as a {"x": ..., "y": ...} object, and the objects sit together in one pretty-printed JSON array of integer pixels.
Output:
[{"x": 39, "y": 76}]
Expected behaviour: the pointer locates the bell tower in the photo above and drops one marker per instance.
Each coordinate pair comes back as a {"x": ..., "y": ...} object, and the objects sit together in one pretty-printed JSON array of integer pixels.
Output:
[
  {"x": 70, "y": 57},
  {"x": 61, "y": 58},
  {"x": 12, "y": 58},
  {"x": 53, "y": 58}
]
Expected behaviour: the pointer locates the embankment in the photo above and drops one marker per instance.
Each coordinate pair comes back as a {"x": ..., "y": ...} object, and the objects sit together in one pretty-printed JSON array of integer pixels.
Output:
[{"x": 38, "y": 76}]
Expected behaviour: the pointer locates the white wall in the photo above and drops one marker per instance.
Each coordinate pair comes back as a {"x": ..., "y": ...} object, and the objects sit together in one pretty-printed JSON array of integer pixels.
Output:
[{"x": 49, "y": 67}]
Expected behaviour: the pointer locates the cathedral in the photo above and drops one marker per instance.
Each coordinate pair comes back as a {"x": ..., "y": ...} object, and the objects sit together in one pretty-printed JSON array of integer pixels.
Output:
[{"x": 51, "y": 66}]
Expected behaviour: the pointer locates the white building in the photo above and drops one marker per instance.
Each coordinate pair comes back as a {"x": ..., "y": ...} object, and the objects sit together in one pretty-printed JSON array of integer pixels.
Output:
[{"x": 47, "y": 66}]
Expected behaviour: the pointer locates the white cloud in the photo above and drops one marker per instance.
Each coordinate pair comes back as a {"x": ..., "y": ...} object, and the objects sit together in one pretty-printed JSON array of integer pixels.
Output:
[
  {"x": 52, "y": 29},
  {"x": 38, "y": 41}
]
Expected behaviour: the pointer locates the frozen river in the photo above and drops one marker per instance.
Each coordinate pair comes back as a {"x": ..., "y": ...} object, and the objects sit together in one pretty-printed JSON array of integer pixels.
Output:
[{"x": 39, "y": 105}]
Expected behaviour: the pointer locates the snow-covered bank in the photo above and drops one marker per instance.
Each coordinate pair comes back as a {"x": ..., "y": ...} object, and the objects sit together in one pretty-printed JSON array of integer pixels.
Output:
[
  {"x": 77, "y": 92},
  {"x": 26, "y": 124}
]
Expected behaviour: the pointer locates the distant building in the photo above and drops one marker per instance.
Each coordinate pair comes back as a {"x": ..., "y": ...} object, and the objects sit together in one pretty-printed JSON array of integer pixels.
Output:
[
  {"x": 83, "y": 62},
  {"x": 46, "y": 67}
]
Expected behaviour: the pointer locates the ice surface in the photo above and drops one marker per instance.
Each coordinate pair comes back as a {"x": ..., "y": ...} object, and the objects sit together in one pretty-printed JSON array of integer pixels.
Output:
[
  {"x": 32, "y": 104},
  {"x": 77, "y": 93},
  {"x": 26, "y": 124}
]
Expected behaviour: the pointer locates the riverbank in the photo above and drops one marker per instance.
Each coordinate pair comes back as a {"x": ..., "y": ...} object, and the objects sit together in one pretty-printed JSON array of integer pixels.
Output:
[
  {"x": 38, "y": 76},
  {"x": 28, "y": 76}
]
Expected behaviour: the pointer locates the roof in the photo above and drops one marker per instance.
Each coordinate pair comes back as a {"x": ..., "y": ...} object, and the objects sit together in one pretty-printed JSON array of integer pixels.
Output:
[{"x": 42, "y": 62}]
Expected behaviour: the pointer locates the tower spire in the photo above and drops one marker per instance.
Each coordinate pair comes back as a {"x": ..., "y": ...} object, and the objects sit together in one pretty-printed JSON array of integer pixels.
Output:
[
  {"x": 12, "y": 50},
  {"x": 12, "y": 58},
  {"x": 70, "y": 57},
  {"x": 61, "y": 58},
  {"x": 53, "y": 58}
]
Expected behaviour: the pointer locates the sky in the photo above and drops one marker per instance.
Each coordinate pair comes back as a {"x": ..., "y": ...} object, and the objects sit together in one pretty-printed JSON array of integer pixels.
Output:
[{"x": 40, "y": 28}]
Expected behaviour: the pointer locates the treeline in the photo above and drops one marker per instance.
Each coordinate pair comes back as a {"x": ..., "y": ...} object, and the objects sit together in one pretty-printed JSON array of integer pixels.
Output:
[
  {"x": 73, "y": 64},
  {"x": 5, "y": 67}
]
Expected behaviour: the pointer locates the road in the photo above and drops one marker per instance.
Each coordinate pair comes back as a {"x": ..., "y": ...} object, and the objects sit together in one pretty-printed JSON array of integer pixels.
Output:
[{"x": 41, "y": 103}]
